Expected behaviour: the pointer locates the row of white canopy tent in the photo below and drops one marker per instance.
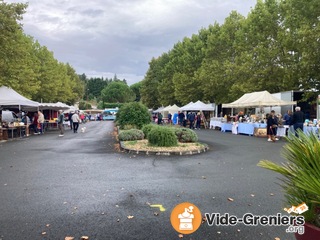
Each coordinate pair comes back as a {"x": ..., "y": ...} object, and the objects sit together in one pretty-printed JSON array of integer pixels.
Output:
[
  {"x": 11, "y": 99},
  {"x": 197, "y": 106}
]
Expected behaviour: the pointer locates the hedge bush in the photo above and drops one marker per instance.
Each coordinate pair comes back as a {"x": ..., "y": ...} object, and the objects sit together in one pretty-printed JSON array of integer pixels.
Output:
[
  {"x": 162, "y": 137},
  {"x": 147, "y": 128},
  {"x": 129, "y": 126},
  {"x": 186, "y": 135},
  {"x": 133, "y": 113},
  {"x": 131, "y": 135}
]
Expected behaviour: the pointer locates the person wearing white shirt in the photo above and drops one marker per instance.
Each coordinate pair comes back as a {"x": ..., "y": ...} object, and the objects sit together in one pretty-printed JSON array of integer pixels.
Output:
[{"x": 75, "y": 120}]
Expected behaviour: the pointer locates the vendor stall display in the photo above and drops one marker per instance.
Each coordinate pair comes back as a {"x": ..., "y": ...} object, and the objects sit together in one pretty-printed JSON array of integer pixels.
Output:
[{"x": 216, "y": 122}]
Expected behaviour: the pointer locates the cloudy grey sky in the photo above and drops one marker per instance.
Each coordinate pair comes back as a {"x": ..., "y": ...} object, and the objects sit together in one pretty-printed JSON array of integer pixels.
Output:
[{"x": 107, "y": 37}]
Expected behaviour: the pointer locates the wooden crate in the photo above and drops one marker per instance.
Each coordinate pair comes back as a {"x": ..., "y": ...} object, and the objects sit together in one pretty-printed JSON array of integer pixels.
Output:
[
  {"x": 260, "y": 132},
  {"x": 3, "y": 134}
]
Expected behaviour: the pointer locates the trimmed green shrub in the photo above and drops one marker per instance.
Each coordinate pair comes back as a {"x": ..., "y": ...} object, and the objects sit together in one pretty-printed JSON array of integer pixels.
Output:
[
  {"x": 84, "y": 105},
  {"x": 129, "y": 126},
  {"x": 186, "y": 135},
  {"x": 131, "y": 135},
  {"x": 133, "y": 113},
  {"x": 112, "y": 105},
  {"x": 162, "y": 137},
  {"x": 147, "y": 128}
]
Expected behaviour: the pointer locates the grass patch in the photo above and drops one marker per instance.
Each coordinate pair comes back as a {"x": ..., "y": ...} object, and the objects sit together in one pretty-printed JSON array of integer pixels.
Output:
[
  {"x": 131, "y": 142},
  {"x": 143, "y": 145}
]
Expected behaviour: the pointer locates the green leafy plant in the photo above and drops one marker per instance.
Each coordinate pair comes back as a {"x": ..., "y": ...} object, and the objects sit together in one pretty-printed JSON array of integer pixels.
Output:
[
  {"x": 133, "y": 113},
  {"x": 129, "y": 126},
  {"x": 130, "y": 135},
  {"x": 185, "y": 135},
  {"x": 301, "y": 174},
  {"x": 147, "y": 128},
  {"x": 162, "y": 137}
]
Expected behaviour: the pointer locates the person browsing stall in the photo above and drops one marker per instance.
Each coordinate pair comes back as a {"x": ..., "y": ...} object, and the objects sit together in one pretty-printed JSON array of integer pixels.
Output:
[
  {"x": 272, "y": 125},
  {"x": 60, "y": 123},
  {"x": 297, "y": 119}
]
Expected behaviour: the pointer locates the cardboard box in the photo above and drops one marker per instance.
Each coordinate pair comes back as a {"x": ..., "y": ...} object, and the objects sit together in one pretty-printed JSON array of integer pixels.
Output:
[{"x": 260, "y": 132}]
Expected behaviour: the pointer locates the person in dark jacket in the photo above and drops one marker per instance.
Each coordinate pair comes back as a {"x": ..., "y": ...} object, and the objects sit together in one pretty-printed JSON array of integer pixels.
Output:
[
  {"x": 169, "y": 118},
  {"x": 287, "y": 118},
  {"x": 297, "y": 120},
  {"x": 159, "y": 118},
  {"x": 272, "y": 124},
  {"x": 181, "y": 117},
  {"x": 70, "y": 119},
  {"x": 191, "y": 118}
]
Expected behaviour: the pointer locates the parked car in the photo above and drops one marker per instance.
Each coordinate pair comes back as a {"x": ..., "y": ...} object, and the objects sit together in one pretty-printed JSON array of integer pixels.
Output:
[{"x": 109, "y": 114}]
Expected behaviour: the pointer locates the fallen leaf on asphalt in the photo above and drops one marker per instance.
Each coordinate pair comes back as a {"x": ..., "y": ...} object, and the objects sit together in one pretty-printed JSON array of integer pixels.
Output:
[
  {"x": 44, "y": 233},
  {"x": 271, "y": 194},
  {"x": 230, "y": 199},
  {"x": 130, "y": 217},
  {"x": 204, "y": 219},
  {"x": 48, "y": 225},
  {"x": 69, "y": 238},
  {"x": 180, "y": 236},
  {"x": 156, "y": 213},
  {"x": 252, "y": 195},
  {"x": 276, "y": 238},
  {"x": 84, "y": 238}
]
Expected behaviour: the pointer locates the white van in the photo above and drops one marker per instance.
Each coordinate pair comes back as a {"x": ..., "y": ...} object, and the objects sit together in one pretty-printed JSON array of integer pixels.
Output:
[{"x": 9, "y": 116}]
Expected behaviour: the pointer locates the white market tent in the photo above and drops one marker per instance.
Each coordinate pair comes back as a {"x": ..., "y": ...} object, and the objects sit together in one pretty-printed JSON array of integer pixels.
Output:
[
  {"x": 172, "y": 109},
  {"x": 11, "y": 99},
  {"x": 197, "y": 106},
  {"x": 160, "y": 109},
  {"x": 258, "y": 99},
  {"x": 54, "y": 106},
  {"x": 72, "y": 109},
  {"x": 190, "y": 103}
]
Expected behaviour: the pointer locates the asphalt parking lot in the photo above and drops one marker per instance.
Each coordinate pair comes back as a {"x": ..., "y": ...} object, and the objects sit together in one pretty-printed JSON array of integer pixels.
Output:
[{"x": 78, "y": 185}]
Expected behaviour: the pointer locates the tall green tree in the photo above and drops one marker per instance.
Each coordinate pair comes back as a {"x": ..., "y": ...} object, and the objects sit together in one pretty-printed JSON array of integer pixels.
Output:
[
  {"x": 302, "y": 28},
  {"x": 117, "y": 92},
  {"x": 136, "y": 88},
  {"x": 149, "y": 89},
  {"x": 18, "y": 65}
]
